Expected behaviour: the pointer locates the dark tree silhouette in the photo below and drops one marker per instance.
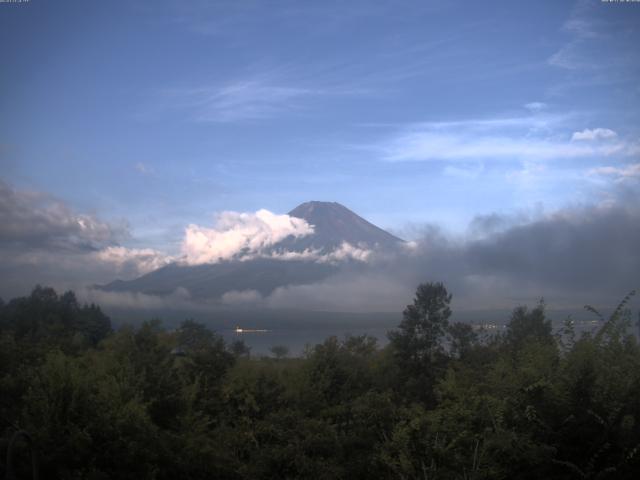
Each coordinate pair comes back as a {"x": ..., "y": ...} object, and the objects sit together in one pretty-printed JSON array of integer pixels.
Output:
[{"x": 418, "y": 343}]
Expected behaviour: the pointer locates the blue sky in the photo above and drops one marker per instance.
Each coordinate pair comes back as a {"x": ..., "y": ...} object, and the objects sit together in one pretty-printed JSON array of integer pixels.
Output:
[{"x": 159, "y": 114}]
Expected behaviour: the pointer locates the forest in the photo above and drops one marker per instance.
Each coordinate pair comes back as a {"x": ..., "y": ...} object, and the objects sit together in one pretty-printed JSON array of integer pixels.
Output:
[{"x": 81, "y": 400}]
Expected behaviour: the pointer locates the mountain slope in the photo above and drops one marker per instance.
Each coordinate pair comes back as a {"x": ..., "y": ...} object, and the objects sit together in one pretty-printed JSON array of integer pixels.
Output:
[
  {"x": 333, "y": 225},
  {"x": 213, "y": 280}
]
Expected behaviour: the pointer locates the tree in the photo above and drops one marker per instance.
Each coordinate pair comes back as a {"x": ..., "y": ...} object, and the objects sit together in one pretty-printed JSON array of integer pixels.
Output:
[
  {"x": 526, "y": 325},
  {"x": 424, "y": 324},
  {"x": 279, "y": 351},
  {"x": 240, "y": 349},
  {"x": 206, "y": 361},
  {"x": 462, "y": 338},
  {"x": 418, "y": 344}
]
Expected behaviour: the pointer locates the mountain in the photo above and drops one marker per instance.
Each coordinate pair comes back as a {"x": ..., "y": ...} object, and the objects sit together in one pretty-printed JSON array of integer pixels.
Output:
[
  {"x": 263, "y": 275},
  {"x": 333, "y": 226}
]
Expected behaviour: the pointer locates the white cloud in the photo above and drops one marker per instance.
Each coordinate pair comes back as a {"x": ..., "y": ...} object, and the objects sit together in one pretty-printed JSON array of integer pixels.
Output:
[
  {"x": 256, "y": 98},
  {"x": 627, "y": 172},
  {"x": 582, "y": 32},
  {"x": 247, "y": 100},
  {"x": 531, "y": 138},
  {"x": 594, "y": 134},
  {"x": 344, "y": 252},
  {"x": 245, "y": 236},
  {"x": 136, "y": 260},
  {"x": 536, "y": 106},
  {"x": 240, "y": 235},
  {"x": 427, "y": 145},
  {"x": 596, "y": 42}
]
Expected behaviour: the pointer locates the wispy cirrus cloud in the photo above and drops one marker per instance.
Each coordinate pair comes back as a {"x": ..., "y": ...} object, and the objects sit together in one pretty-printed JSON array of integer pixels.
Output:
[
  {"x": 234, "y": 20},
  {"x": 528, "y": 138},
  {"x": 619, "y": 174},
  {"x": 251, "y": 99},
  {"x": 245, "y": 100},
  {"x": 593, "y": 38}
]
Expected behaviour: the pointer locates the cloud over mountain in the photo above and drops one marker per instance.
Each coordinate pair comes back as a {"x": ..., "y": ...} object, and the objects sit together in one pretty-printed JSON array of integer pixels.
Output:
[
  {"x": 323, "y": 256},
  {"x": 570, "y": 257},
  {"x": 240, "y": 235},
  {"x": 133, "y": 261}
]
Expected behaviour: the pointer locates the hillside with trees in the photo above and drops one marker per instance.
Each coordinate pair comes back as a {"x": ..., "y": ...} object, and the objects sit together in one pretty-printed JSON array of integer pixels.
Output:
[{"x": 440, "y": 401}]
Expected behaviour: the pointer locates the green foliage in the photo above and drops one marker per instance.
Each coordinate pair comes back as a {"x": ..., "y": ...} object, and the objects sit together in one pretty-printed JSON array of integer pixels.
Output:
[
  {"x": 529, "y": 325},
  {"x": 148, "y": 403},
  {"x": 417, "y": 345},
  {"x": 463, "y": 338},
  {"x": 424, "y": 324},
  {"x": 44, "y": 319},
  {"x": 279, "y": 351}
]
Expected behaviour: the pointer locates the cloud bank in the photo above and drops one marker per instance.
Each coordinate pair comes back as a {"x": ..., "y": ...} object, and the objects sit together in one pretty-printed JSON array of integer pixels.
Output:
[
  {"x": 44, "y": 240},
  {"x": 247, "y": 236},
  {"x": 576, "y": 255},
  {"x": 240, "y": 236},
  {"x": 36, "y": 220},
  {"x": 133, "y": 260}
]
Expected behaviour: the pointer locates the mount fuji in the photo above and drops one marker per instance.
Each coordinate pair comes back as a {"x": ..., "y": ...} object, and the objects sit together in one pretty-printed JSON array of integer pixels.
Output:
[{"x": 296, "y": 260}]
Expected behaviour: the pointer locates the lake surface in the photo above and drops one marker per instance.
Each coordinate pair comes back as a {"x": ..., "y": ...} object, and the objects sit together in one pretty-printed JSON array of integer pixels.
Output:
[{"x": 296, "y": 329}]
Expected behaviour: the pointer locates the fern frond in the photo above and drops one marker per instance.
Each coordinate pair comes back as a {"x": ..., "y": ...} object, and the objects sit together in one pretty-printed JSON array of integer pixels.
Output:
[
  {"x": 622, "y": 304},
  {"x": 608, "y": 325},
  {"x": 591, "y": 309}
]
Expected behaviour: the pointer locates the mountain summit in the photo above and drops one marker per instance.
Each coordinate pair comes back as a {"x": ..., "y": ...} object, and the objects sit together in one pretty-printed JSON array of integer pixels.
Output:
[{"x": 335, "y": 224}]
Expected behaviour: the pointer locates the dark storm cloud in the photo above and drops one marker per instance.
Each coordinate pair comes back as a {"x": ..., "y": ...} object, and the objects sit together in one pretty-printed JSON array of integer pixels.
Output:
[
  {"x": 33, "y": 220},
  {"x": 493, "y": 223},
  {"x": 581, "y": 249}
]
